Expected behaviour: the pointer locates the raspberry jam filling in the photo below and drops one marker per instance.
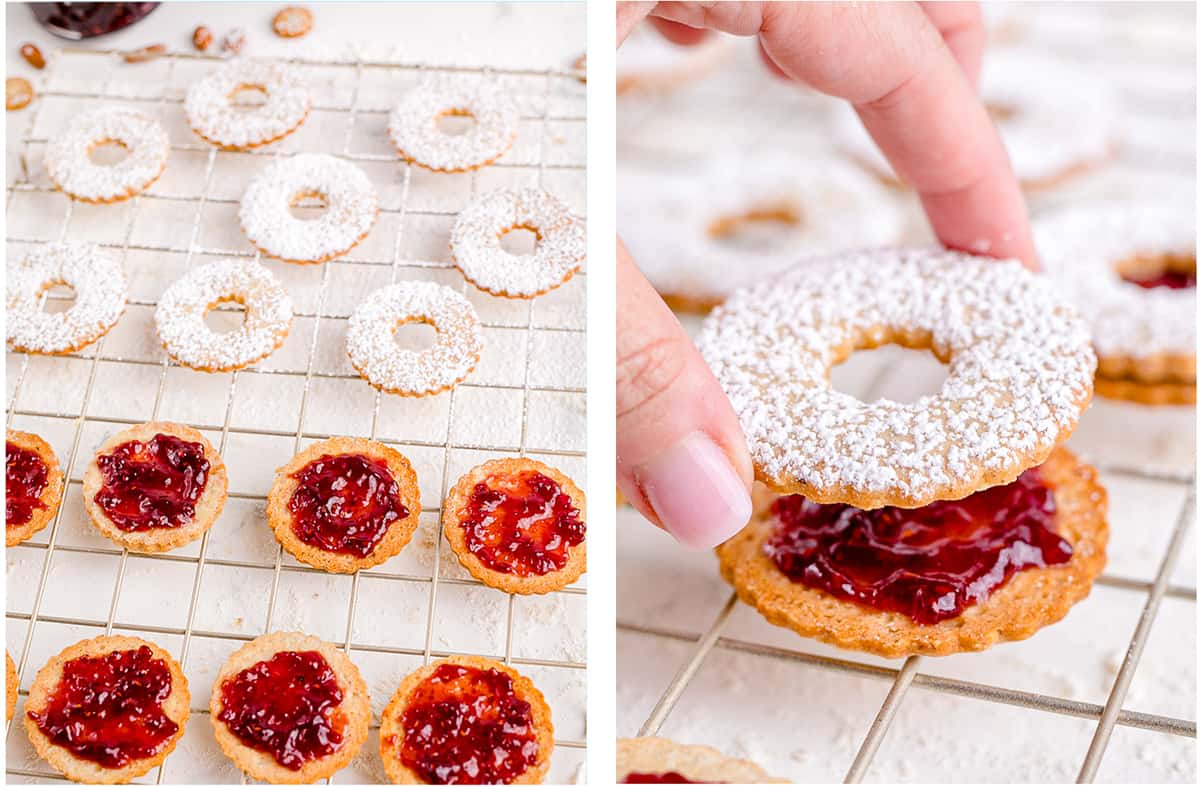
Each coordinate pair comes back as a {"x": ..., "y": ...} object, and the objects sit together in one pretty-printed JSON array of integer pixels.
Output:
[
  {"x": 927, "y": 563},
  {"x": 468, "y": 726},
  {"x": 287, "y": 706},
  {"x": 524, "y": 524},
  {"x": 147, "y": 485},
  {"x": 670, "y": 777},
  {"x": 25, "y": 478},
  {"x": 1171, "y": 280},
  {"x": 345, "y": 503},
  {"x": 108, "y": 709}
]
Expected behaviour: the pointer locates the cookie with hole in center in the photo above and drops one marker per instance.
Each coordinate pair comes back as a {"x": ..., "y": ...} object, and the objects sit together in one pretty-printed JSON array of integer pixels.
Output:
[
  {"x": 466, "y": 720},
  {"x": 107, "y": 710},
  {"x": 950, "y": 577},
  {"x": 289, "y": 708},
  {"x": 33, "y": 485},
  {"x": 655, "y": 760},
  {"x": 345, "y": 504},
  {"x": 518, "y": 525},
  {"x": 155, "y": 487}
]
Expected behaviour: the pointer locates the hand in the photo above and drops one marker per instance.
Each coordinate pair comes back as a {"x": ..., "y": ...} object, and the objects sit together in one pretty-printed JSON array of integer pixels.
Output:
[{"x": 908, "y": 69}]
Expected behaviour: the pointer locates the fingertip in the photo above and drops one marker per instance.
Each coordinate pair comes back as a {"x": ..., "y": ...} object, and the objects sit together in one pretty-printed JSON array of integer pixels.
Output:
[{"x": 678, "y": 33}]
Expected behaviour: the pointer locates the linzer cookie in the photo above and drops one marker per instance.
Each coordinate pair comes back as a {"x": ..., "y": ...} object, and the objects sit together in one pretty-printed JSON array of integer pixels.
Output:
[
  {"x": 107, "y": 710},
  {"x": 1020, "y": 369},
  {"x": 518, "y": 525},
  {"x": 212, "y": 114},
  {"x": 70, "y": 167},
  {"x": 345, "y": 504},
  {"x": 466, "y": 720},
  {"x": 33, "y": 485},
  {"x": 662, "y": 761},
  {"x": 414, "y": 131}
]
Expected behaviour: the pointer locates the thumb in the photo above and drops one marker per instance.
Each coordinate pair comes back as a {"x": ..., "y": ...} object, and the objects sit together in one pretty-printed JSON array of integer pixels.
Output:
[{"x": 681, "y": 455}]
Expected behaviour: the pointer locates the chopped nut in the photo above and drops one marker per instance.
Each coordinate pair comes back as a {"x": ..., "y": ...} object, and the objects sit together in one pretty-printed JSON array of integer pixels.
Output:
[
  {"x": 145, "y": 53},
  {"x": 202, "y": 38},
  {"x": 293, "y": 21},
  {"x": 234, "y": 41},
  {"x": 17, "y": 93},
  {"x": 33, "y": 55}
]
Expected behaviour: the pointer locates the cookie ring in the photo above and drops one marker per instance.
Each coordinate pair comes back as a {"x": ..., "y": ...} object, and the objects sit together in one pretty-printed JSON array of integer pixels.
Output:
[
  {"x": 354, "y": 710},
  {"x": 391, "y": 725},
  {"x": 175, "y": 706},
  {"x": 681, "y": 243},
  {"x": 1020, "y": 368},
  {"x": 69, "y": 166},
  {"x": 207, "y": 506},
  {"x": 100, "y": 294},
  {"x": 179, "y": 317},
  {"x": 660, "y": 757},
  {"x": 215, "y": 120},
  {"x": 560, "y": 250},
  {"x": 508, "y": 471},
  {"x": 49, "y": 499},
  {"x": 1143, "y": 335},
  {"x": 398, "y": 532},
  {"x": 373, "y": 351},
  {"x": 350, "y": 200},
  {"x": 10, "y": 686},
  {"x": 413, "y": 127}
]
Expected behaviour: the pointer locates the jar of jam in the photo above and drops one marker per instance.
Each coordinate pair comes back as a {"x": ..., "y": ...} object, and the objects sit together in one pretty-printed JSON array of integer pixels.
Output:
[{"x": 77, "y": 21}]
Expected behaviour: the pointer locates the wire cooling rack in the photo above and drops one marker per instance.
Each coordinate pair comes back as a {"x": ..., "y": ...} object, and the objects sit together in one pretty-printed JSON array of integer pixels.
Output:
[{"x": 527, "y": 398}]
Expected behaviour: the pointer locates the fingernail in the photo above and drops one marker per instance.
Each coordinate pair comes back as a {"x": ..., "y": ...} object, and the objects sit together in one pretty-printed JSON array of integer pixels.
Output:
[{"x": 698, "y": 496}]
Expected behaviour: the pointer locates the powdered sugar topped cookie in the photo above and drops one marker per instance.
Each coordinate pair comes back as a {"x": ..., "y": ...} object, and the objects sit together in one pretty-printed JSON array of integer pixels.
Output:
[
  {"x": 69, "y": 163},
  {"x": 413, "y": 126},
  {"x": 1020, "y": 373},
  {"x": 211, "y": 113},
  {"x": 100, "y": 295}
]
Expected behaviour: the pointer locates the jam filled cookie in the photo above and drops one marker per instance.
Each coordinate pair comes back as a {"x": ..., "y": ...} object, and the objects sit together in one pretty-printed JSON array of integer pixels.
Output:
[
  {"x": 414, "y": 131},
  {"x": 70, "y": 167},
  {"x": 10, "y": 686},
  {"x": 179, "y": 317},
  {"x": 1146, "y": 393},
  {"x": 371, "y": 342},
  {"x": 1020, "y": 368},
  {"x": 100, "y": 294},
  {"x": 107, "y": 710},
  {"x": 948, "y": 577},
  {"x": 345, "y": 504},
  {"x": 217, "y": 120},
  {"x": 155, "y": 487},
  {"x": 351, "y": 206},
  {"x": 33, "y": 485},
  {"x": 757, "y": 217},
  {"x": 289, "y": 708},
  {"x": 1130, "y": 269},
  {"x": 559, "y": 251},
  {"x": 518, "y": 525},
  {"x": 466, "y": 720},
  {"x": 662, "y": 761}
]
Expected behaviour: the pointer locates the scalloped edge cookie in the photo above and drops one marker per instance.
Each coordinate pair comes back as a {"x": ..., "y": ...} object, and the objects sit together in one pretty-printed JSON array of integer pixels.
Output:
[
  {"x": 51, "y": 496},
  {"x": 702, "y": 764}
]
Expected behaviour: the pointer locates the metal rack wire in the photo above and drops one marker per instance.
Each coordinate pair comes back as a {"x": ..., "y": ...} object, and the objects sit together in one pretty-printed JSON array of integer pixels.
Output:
[{"x": 95, "y": 354}]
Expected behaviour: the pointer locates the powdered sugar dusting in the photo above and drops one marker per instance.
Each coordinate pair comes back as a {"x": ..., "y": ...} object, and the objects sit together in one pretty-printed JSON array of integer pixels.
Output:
[
  {"x": 72, "y": 170},
  {"x": 371, "y": 345},
  {"x": 100, "y": 294},
  {"x": 413, "y": 126},
  {"x": 1081, "y": 248},
  {"x": 475, "y": 242},
  {"x": 350, "y": 200},
  {"x": 212, "y": 116},
  {"x": 179, "y": 317},
  {"x": 1020, "y": 370}
]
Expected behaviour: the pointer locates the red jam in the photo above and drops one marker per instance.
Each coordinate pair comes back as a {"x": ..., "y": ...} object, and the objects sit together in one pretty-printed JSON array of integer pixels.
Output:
[
  {"x": 468, "y": 726},
  {"x": 108, "y": 709},
  {"x": 25, "y": 478},
  {"x": 287, "y": 706},
  {"x": 152, "y": 484},
  {"x": 526, "y": 526},
  {"x": 345, "y": 503},
  {"x": 670, "y": 777},
  {"x": 1172, "y": 280},
  {"x": 927, "y": 563}
]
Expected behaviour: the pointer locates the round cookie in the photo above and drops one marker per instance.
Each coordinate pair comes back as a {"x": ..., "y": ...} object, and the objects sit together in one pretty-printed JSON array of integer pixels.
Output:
[
  {"x": 11, "y": 686},
  {"x": 303, "y": 485},
  {"x": 1020, "y": 369},
  {"x": 32, "y": 466},
  {"x": 1032, "y": 598},
  {"x": 298, "y": 681},
  {"x": 414, "y": 131},
  {"x": 179, "y": 316},
  {"x": 449, "y": 676},
  {"x": 159, "y": 669},
  {"x": 100, "y": 294},
  {"x": 70, "y": 167},
  {"x": 175, "y": 469},
  {"x": 213, "y": 116},
  {"x": 531, "y": 555},
  {"x": 649, "y": 760}
]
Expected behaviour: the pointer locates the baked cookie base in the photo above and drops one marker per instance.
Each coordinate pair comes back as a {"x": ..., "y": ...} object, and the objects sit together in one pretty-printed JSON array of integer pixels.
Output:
[
  {"x": 1155, "y": 394},
  {"x": 51, "y": 496},
  {"x": 131, "y": 192},
  {"x": 1030, "y": 600},
  {"x": 1151, "y": 370},
  {"x": 91, "y": 338},
  {"x": 257, "y": 144},
  {"x": 10, "y": 686},
  {"x": 696, "y": 763},
  {"x": 512, "y": 295},
  {"x": 449, "y": 170}
]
